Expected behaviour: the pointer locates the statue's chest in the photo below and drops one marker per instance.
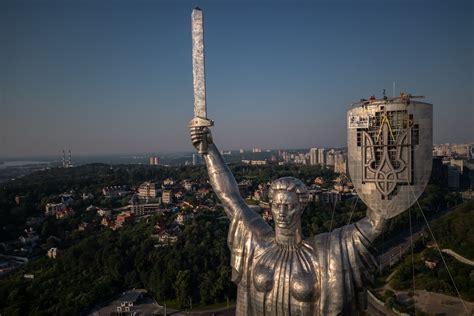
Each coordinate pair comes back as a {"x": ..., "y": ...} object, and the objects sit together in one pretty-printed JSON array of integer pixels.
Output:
[{"x": 286, "y": 275}]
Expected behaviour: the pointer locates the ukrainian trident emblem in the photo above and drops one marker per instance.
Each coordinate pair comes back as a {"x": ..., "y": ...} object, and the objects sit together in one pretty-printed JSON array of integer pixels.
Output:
[{"x": 386, "y": 150}]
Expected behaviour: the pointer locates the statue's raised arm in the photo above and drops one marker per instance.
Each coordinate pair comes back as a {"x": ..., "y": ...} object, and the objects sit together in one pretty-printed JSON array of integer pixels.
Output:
[{"x": 222, "y": 180}]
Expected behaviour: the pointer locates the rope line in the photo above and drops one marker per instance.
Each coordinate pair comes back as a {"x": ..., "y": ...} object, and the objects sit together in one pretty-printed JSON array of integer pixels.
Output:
[
  {"x": 412, "y": 260},
  {"x": 353, "y": 209},
  {"x": 332, "y": 216}
]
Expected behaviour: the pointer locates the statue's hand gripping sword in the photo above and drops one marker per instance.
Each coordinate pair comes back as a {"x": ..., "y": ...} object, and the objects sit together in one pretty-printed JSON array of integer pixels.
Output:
[{"x": 199, "y": 81}]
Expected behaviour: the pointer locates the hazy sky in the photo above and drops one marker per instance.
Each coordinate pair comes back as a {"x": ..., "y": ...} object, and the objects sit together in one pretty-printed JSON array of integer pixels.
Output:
[{"x": 103, "y": 77}]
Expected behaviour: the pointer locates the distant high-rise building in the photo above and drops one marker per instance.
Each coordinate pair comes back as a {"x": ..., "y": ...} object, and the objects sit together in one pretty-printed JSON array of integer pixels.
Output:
[
  {"x": 313, "y": 156},
  {"x": 154, "y": 160},
  {"x": 197, "y": 159},
  {"x": 300, "y": 159},
  {"x": 67, "y": 163},
  {"x": 322, "y": 156},
  {"x": 338, "y": 157},
  {"x": 330, "y": 158}
]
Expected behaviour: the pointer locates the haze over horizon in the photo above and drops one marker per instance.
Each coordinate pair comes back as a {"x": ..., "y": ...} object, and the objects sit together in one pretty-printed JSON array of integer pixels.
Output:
[{"x": 114, "y": 77}]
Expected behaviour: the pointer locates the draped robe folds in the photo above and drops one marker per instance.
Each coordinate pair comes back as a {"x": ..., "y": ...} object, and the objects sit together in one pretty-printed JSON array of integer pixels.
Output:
[{"x": 338, "y": 262}]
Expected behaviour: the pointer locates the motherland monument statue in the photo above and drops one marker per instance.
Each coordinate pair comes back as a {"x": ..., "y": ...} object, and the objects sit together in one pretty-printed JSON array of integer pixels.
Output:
[{"x": 282, "y": 272}]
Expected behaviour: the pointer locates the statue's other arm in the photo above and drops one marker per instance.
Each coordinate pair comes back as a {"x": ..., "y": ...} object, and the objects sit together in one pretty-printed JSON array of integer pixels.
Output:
[
  {"x": 372, "y": 225},
  {"x": 222, "y": 180}
]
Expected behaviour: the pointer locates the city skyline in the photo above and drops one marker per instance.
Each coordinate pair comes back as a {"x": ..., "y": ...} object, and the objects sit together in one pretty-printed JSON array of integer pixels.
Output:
[{"x": 115, "y": 77}]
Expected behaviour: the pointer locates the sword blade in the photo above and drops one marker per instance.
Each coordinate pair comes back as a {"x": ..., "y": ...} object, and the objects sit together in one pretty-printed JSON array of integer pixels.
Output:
[{"x": 199, "y": 80}]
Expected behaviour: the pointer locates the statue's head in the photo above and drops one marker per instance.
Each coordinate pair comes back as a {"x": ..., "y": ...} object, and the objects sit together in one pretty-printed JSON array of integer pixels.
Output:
[{"x": 288, "y": 197}]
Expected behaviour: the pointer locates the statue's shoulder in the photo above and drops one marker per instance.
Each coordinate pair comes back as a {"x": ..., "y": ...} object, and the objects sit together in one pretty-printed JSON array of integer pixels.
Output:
[
  {"x": 253, "y": 223},
  {"x": 329, "y": 237}
]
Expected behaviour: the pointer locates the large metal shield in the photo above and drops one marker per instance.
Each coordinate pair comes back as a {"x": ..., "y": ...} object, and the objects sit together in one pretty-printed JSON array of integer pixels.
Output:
[{"x": 390, "y": 152}]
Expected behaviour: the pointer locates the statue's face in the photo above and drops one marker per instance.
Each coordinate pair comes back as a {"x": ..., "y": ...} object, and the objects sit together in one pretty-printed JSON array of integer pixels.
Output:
[{"x": 286, "y": 209}]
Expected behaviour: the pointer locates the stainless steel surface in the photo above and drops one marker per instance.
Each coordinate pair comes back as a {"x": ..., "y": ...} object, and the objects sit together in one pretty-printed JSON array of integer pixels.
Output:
[
  {"x": 389, "y": 152},
  {"x": 199, "y": 80},
  {"x": 282, "y": 272}
]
